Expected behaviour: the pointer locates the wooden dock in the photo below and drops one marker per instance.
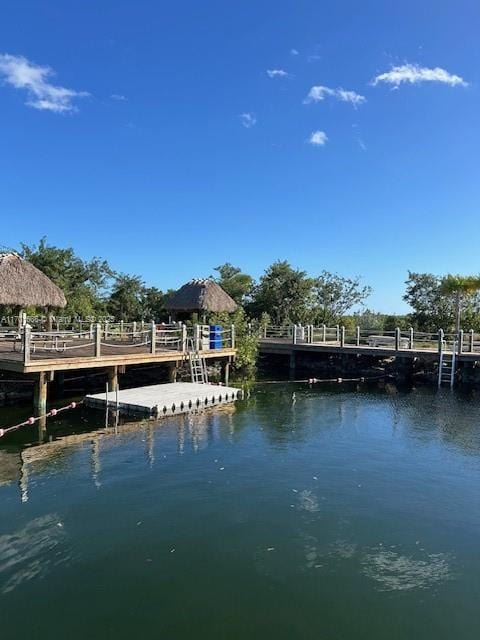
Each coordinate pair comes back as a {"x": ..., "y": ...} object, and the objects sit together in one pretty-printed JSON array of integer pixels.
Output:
[{"x": 166, "y": 399}]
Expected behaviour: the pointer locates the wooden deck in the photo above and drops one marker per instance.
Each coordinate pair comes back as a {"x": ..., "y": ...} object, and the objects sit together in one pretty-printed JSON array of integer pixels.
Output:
[
  {"x": 166, "y": 399},
  {"x": 285, "y": 346},
  {"x": 83, "y": 358}
]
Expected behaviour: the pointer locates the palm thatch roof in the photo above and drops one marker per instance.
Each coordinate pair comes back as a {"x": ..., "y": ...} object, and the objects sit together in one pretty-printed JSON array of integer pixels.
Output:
[
  {"x": 22, "y": 284},
  {"x": 201, "y": 295}
]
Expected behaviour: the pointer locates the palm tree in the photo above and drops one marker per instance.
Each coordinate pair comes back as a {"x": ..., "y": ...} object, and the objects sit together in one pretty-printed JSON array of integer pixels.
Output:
[{"x": 459, "y": 286}]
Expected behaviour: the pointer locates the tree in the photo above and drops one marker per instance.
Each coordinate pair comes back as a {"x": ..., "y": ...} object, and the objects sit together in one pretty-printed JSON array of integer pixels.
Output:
[
  {"x": 460, "y": 287},
  {"x": 238, "y": 285},
  {"x": 284, "y": 293},
  {"x": 83, "y": 282},
  {"x": 334, "y": 295},
  {"x": 126, "y": 299},
  {"x": 153, "y": 303}
]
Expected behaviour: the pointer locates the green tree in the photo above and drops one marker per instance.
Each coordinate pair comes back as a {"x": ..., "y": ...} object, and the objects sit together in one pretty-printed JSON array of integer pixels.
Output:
[
  {"x": 126, "y": 299},
  {"x": 334, "y": 296},
  {"x": 284, "y": 293},
  {"x": 84, "y": 283},
  {"x": 152, "y": 303},
  {"x": 238, "y": 285},
  {"x": 461, "y": 288}
]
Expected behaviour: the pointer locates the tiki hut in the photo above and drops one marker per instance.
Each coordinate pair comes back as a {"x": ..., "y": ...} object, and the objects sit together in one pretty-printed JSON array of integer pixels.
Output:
[
  {"x": 23, "y": 285},
  {"x": 201, "y": 296}
]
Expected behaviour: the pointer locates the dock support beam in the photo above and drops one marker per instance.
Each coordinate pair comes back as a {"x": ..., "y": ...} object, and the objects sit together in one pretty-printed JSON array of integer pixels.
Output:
[
  {"x": 112, "y": 373},
  {"x": 172, "y": 371},
  {"x": 226, "y": 372},
  {"x": 40, "y": 395},
  {"x": 292, "y": 365}
]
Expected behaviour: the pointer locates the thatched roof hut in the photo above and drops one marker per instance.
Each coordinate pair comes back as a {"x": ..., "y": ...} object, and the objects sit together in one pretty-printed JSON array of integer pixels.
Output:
[
  {"x": 23, "y": 285},
  {"x": 201, "y": 295}
]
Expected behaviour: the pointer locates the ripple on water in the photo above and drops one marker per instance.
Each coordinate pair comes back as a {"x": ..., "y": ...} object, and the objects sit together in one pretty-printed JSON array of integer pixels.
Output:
[
  {"x": 29, "y": 552},
  {"x": 396, "y": 572},
  {"x": 307, "y": 501}
]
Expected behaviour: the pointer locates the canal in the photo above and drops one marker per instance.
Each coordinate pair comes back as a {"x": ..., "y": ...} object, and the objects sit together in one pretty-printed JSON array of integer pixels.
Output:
[{"x": 343, "y": 513}]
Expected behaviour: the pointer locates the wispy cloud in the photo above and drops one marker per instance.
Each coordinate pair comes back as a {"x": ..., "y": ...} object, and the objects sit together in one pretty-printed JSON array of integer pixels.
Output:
[
  {"x": 248, "y": 120},
  {"x": 318, "y": 138},
  {"x": 319, "y": 93},
  {"x": 277, "y": 73},
  {"x": 118, "y": 96},
  {"x": 23, "y": 74},
  {"x": 294, "y": 52},
  {"x": 414, "y": 74}
]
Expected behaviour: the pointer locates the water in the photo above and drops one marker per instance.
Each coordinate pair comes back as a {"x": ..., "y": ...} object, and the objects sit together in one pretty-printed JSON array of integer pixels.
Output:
[{"x": 348, "y": 514}]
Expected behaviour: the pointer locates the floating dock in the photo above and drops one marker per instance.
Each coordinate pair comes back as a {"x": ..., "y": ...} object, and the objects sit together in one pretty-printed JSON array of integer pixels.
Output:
[{"x": 166, "y": 399}]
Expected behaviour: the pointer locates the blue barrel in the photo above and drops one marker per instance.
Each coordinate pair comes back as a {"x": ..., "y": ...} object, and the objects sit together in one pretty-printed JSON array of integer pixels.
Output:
[{"x": 215, "y": 336}]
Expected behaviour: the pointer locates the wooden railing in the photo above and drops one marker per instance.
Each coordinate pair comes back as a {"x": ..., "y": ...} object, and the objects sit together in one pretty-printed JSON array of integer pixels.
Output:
[
  {"x": 110, "y": 338},
  {"x": 397, "y": 340}
]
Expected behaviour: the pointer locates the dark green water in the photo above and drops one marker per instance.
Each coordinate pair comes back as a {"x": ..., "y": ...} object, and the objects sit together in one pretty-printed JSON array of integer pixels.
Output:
[{"x": 349, "y": 514}]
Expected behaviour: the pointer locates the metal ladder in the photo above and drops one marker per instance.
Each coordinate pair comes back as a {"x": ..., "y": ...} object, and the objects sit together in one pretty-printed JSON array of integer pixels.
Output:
[
  {"x": 198, "y": 365},
  {"x": 447, "y": 365}
]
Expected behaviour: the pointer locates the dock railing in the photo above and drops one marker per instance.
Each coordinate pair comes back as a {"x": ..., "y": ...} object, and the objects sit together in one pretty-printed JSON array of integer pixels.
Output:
[
  {"x": 113, "y": 338},
  {"x": 396, "y": 340}
]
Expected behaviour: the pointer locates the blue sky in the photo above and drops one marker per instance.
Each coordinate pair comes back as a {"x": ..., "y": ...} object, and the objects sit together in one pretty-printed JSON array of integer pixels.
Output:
[{"x": 162, "y": 142}]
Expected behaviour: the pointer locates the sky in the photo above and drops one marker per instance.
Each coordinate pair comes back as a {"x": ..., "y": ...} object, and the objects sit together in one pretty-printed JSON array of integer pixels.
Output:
[{"x": 170, "y": 138}]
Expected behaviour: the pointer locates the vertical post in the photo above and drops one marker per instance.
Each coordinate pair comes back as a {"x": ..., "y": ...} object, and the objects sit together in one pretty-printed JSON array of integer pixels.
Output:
[
  {"x": 106, "y": 329},
  {"x": 226, "y": 373},
  {"x": 172, "y": 371},
  {"x": 121, "y": 330},
  {"x": 232, "y": 335},
  {"x": 153, "y": 336},
  {"x": 134, "y": 329},
  {"x": 342, "y": 336},
  {"x": 184, "y": 338},
  {"x": 40, "y": 394},
  {"x": 470, "y": 348},
  {"x": 337, "y": 330},
  {"x": 294, "y": 334},
  {"x": 440, "y": 341},
  {"x": 98, "y": 339},
  {"x": 27, "y": 338},
  {"x": 397, "y": 339},
  {"x": 358, "y": 336},
  {"x": 112, "y": 373},
  {"x": 324, "y": 332},
  {"x": 410, "y": 338},
  {"x": 90, "y": 330},
  {"x": 197, "y": 337},
  {"x": 292, "y": 365},
  {"x": 460, "y": 341}
]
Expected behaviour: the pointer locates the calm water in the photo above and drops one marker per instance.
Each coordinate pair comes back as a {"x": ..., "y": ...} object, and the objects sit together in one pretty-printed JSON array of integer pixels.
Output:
[{"x": 349, "y": 514}]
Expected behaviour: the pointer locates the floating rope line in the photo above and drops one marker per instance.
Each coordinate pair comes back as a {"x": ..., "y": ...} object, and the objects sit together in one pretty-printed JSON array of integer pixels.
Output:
[
  {"x": 311, "y": 381},
  {"x": 32, "y": 419}
]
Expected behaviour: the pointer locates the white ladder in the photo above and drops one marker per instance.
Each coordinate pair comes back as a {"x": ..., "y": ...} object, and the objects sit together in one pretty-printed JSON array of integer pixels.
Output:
[
  {"x": 198, "y": 366},
  {"x": 447, "y": 365}
]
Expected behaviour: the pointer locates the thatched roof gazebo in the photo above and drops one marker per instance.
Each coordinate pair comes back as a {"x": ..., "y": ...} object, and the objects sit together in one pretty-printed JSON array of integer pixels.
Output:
[
  {"x": 23, "y": 285},
  {"x": 202, "y": 296}
]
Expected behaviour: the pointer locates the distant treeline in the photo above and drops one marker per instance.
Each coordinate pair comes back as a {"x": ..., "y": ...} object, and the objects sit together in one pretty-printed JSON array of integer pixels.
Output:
[{"x": 283, "y": 294}]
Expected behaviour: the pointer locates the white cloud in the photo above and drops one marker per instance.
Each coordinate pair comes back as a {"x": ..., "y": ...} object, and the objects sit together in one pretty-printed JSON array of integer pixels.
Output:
[
  {"x": 318, "y": 93},
  {"x": 294, "y": 52},
  {"x": 413, "y": 74},
  {"x": 317, "y": 138},
  {"x": 23, "y": 74},
  {"x": 277, "y": 73},
  {"x": 117, "y": 96},
  {"x": 248, "y": 120}
]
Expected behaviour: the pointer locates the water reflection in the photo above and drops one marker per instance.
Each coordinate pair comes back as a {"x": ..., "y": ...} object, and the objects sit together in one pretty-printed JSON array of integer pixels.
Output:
[{"x": 31, "y": 551}]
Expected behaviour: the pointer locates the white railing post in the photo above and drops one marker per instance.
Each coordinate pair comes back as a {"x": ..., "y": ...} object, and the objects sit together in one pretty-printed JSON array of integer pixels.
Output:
[
  {"x": 184, "y": 338},
  {"x": 106, "y": 329},
  {"x": 153, "y": 337},
  {"x": 27, "y": 337},
  {"x": 134, "y": 330},
  {"x": 197, "y": 337},
  {"x": 342, "y": 336},
  {"x": 397, "y": 339},
  {"x": 90, "y": 331},
  {"x": 294, "y": 334},
  {"x": 98, "y": 338},
  {"x": 440, "y": 340},
  {"x": 358, "y": 336},
  {"x": 470, "y": 348},
  {"x": 232, "y": 336},
  {"x": 460, "y": 341},
  {"x": 410, "y": 338}
]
